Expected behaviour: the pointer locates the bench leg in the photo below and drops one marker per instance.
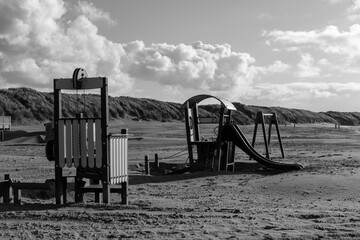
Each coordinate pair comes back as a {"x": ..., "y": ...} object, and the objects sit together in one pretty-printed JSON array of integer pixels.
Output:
[
  {"x": 6, "y": 189},
  {"x": 79, "y": 196},
  {"x": 124, "y": 193},
  {"x": 58, "y": 185},
  {"x": 17, "y": 195},
  {"x": 106, "y": 192},
  {"x": 97, "y": 197},
  {"x": 64, "y": 189}
]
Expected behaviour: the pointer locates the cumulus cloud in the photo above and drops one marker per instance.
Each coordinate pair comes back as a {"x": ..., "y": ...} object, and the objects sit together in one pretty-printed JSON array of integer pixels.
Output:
[
  {"x": 329, "y": 41},
  {"x": 93, "y": 13},
  {"x": 277, "y": 67},
  {"x": 198, "y": 66},
  {"x": 297, "y": 91},
  {"x": 306, "y": 68},
  {"x": 38, "y": 43},
  {"x": 354, "y": 10}
]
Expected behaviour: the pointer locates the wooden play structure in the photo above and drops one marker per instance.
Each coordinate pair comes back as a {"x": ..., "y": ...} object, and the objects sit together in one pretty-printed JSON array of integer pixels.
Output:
[
  {"x": 218, "y": 153},
  {"x": 80, "y": 142},
  {"x": 211, "y": 154},
  {"x": 84, "y": 143},
  {"x": 263, "y": 118}
]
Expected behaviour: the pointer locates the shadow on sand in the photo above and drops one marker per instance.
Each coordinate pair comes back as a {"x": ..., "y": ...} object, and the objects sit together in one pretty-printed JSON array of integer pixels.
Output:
[{"x": 168, "y": 172}]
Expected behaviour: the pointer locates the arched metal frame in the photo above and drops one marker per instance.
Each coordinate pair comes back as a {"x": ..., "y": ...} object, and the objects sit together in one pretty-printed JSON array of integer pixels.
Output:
[{"x": 223, "y": 156}]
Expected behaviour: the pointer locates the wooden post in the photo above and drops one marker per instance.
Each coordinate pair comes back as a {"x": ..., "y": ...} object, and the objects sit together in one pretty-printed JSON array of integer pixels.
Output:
[
  {"x": 124, "y": 193},
  {"x": 58, "y": 169},
  {"x": 6, "y": 189},
  {"x": 157, "y": 164},
  {"x": 147, "y": 165},
  {"x": 104, "y": 126}
]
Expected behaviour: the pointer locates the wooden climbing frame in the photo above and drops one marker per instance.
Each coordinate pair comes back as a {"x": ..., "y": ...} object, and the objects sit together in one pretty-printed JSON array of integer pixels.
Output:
[
  {"x": 84, "y": 143},
  {"x": 212, "y": 154}
]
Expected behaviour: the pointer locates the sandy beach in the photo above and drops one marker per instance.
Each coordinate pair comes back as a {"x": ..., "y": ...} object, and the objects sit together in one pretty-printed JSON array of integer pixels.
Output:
[{"x": 319, "y": 202}]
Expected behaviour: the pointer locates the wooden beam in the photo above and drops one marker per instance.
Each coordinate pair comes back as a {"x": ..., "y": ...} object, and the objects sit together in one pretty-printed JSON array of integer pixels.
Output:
[{"x": 85, "y": 83}]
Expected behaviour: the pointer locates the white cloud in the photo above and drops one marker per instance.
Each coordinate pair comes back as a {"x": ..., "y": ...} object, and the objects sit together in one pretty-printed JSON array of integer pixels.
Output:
[
  {"x": 276, "y": 67},
  {"x": 37, "y": 44},
  {"x": 93, "y": 13},
  {"x": 330, "y": 40},
  {"x": 354, "y": 10},
  {"x": 306, "y": 68},
  {"x": 198, "y": 66},
  {"x": 298, "y": 91}
]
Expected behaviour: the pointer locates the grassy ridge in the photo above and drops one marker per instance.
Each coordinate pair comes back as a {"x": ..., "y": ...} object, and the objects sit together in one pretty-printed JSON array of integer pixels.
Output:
[{"x": 28, "y": 106}]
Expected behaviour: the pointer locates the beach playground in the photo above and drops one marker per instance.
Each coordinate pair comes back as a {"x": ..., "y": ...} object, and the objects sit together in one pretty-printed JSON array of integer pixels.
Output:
[{"x": 318, "y": 202}]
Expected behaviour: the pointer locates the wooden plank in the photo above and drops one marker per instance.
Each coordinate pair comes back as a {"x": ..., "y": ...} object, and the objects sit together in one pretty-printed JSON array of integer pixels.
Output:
[
  {"x": 112, "y": 153},
  {"x": 61, "y": 144},
  {"x": 98, "y": 136},
  {"x": 204, "y": 120},
  {"x": 38, "y": 186},
  {"x": 125, "y": 170},
  {"x": 86, "y": 83},
  {"x": 83, "y": 147},
  {"x": 63, "y": 83},
  {"x": 76, "y": 143},
  {"x": 92, "y": 82},
  {"x": 91, "y": 148},
  {"x": 68, "y": 137}
]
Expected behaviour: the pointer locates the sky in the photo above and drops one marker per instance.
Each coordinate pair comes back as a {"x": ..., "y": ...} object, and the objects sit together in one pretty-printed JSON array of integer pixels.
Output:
[{"x": 289, "y": 53}]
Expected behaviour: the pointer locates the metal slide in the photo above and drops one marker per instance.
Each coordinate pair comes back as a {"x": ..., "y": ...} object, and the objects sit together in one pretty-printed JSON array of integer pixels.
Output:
[{"x": 232, "y": 133}]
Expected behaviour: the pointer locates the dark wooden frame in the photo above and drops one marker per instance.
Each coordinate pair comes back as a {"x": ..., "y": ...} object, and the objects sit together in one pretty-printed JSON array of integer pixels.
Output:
[
  {"x": 223, "y": 158},
  {"x": 260, "y": 119},
  {"x": 101, "y": 174}
]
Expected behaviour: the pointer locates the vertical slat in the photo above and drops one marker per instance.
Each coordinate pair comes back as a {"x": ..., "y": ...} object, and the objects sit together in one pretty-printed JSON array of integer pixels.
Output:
[
  {"x": 125, "y": 179},
  {"x": 90, "y": 135},
  {"x": 115, "y": 160},
  {"x": 112, "y": 158},
  {"x": 98, "y": 134},
  {"x": 61, "y": 143},
  {"x": 83, "y": 150},
  {"x": 76, "y": 143},
  {"x": 68, "y": 143},
  {"x": 119, "y": 158},
  {"x": 122, "y": 165}
]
